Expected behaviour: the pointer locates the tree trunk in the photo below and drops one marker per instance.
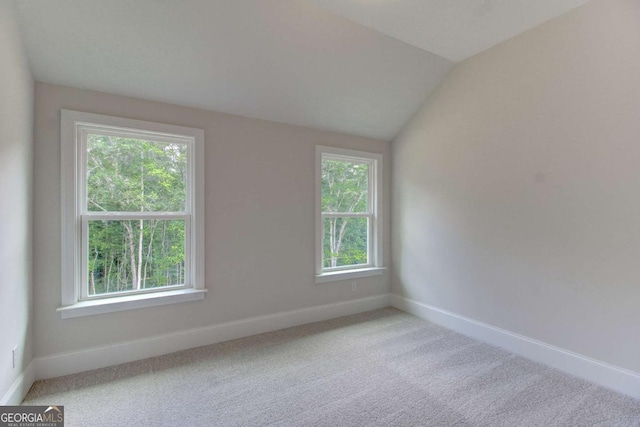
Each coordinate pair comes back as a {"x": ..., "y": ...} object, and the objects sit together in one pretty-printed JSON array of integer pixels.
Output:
[
  {"x": 332, "y": 241},
  {"x": 92, "y": 284},
  {"x": 92, "y": 280},
  {"x": 108, "y": 274},
  {"x": 152, "y": 232},
  {"x": 132, "y": 255},
  {"x": 139, "y": 278}
]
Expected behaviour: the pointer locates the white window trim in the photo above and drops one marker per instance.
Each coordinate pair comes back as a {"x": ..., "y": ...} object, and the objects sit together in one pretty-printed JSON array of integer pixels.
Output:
[
  {"x": 73, "y": 124},
  {"x": 375, "y": 261}
]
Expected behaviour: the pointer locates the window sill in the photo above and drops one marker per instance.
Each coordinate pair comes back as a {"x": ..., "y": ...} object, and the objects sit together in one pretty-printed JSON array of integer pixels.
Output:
[
  {"x": 336, "y": 276},
  {"x": 130, "y": 302}
]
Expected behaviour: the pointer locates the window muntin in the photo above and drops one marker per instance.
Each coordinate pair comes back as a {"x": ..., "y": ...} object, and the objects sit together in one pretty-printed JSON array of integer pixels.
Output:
[
  {"x": 121, "y": 176},
  {"x": 348, "y": 236}
]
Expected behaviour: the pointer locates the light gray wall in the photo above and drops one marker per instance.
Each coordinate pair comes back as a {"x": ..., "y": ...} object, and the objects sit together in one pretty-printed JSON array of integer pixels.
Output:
[
  {"x": 16, "y": 148},
  {"x": 516, "y": 188},
  {"x": 259, "y": 222}
]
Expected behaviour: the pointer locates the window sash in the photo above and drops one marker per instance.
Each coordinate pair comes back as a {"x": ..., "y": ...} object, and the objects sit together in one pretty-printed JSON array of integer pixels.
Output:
[
  {"x": 83, "y": 131},
  {"x": 371, "y": 185},
  {"x": 83, "y": 291},
  {"x": 370, "y": 243}
]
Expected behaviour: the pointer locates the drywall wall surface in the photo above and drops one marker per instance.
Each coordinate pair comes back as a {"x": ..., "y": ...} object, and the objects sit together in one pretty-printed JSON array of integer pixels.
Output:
[
  {"x": 259, "y": 201},
  {"x": 16, "y": 149},
  {"x": 516, "y": 197}
]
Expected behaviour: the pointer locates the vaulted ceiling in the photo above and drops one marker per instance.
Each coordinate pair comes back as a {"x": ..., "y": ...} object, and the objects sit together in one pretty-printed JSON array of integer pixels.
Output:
[
  {"x": 453, "y": 29},
  {"x": 356, "y": 66}
]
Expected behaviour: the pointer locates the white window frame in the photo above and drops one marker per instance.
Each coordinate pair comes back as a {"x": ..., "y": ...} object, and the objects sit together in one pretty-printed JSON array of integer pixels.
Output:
[
  {"x": 374, "y": 265},
  {"x": 76, "y": 302}
]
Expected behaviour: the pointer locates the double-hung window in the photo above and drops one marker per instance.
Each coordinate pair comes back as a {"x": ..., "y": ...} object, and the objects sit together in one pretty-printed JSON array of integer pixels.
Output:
[
  {"x": 348, "y": 214},
  {"x": 132, "y": 214}
]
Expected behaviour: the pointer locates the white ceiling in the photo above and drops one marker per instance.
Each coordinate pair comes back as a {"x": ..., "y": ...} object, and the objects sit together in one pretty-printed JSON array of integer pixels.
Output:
[
  {"x": 453, "y": 29},
  {"x": 282, "y": 60},
  {"x": 302, "y": 62}
]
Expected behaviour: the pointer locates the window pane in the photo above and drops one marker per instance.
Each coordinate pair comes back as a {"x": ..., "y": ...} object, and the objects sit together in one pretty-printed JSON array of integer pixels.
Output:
[
  {"x": 126, "y": 174},
  {"x": 126, "y": 255},
  {"x": 344, "y": 186},
  {"x": 345, "y": 241}
]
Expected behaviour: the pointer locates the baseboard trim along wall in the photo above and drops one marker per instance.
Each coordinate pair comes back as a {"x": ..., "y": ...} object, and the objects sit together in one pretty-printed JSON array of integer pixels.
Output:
[
  {"x": 604, "y": 374},
  {"x": 598, "y": 372},
  {"x": 100, "y": 357},
  {"x": 20, "y": 386}
]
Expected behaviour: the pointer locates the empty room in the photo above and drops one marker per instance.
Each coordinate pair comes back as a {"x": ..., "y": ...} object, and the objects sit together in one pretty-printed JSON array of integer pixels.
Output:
[{"x": 320, "y": 212}]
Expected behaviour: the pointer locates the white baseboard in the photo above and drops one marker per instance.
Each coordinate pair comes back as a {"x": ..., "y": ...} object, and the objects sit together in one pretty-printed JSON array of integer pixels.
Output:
[
  {"x": 598, "y": 372},
  {"x": 100, "y": 357},
  {"x": 20, "y": 386},
  {"x": 607, "y": 375}
]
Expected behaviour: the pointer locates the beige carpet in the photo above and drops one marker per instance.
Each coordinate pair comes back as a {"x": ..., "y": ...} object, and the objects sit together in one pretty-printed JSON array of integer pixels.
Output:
[{"x": 382, "y": 368}]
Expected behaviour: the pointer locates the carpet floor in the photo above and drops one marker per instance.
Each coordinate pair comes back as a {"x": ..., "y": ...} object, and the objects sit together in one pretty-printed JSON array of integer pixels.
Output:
[{"x": 381, "y": 368}]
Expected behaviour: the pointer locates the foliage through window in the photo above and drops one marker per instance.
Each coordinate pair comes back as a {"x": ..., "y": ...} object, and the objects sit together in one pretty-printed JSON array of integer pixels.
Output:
[
  {"x": 348, "y": 210},
  {"x": 135, "y": 193},
  {"x": 135, "y": 175}
]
